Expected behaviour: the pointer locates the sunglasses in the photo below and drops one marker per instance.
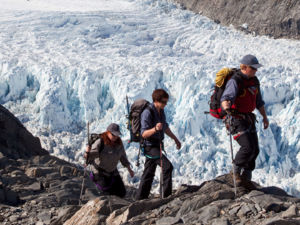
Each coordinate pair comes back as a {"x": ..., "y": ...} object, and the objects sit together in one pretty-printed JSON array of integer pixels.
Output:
[{"x": 164, "y": 102}]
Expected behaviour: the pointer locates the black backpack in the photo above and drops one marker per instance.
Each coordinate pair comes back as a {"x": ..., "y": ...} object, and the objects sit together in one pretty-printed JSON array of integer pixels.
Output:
[
  {"x": 134, "y": 123},
  {"x": 222, "y": 78}
]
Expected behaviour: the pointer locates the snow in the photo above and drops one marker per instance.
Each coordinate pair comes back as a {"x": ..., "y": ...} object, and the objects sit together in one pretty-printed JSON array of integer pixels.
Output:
[{"x": 64, "y": 63}]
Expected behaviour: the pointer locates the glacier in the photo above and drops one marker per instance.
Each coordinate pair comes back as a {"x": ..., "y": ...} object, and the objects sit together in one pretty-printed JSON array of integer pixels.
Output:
[{"x": 65, "y": 63}]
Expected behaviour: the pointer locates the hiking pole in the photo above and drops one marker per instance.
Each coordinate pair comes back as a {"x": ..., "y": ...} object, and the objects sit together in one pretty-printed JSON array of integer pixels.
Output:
[
  {"x": 138, "y": 157},
  {"x": 231, "y": 149},
  {"x": 86, "y": 163},
  {"x": 161, "y": 169}
]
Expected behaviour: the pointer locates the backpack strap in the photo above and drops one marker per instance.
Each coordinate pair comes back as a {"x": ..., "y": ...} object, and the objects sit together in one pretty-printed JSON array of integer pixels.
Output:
[{"x": 239, "y": 80}]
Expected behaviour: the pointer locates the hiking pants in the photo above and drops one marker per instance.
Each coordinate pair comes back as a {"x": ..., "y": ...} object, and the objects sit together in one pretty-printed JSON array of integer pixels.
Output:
[
  {"x": 109, "y": 183},
  {"x": 149, "y": 173},
  {"x": 244, "y": 132}
]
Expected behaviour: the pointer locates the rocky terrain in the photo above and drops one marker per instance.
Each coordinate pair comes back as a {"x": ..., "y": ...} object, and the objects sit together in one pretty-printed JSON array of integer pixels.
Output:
[
  {"x": 37, "y": 188},
  {"x": 275, "y": 18}
]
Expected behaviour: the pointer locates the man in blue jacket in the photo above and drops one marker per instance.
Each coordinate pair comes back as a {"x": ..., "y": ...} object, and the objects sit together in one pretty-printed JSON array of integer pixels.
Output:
[{"x": 153, "y": 127}]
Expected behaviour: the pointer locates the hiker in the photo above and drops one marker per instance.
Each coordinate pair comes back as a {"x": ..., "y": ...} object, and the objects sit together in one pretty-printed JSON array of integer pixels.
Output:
[
  {"x": 104, "y": 158},
  {"x": 240, "y": 98},
  {"x": 153, "y": 127}
]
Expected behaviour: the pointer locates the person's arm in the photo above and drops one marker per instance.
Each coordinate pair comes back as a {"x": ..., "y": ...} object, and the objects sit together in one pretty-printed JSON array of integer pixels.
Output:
[
  {"x": 229, "y": 94},
  {"x": 260, "y": 105},
  {"x": 124, "y": 161},
  {"x": 146, "y": 127},
  {"x": 150, "y": 132},
  {"x": 171, "y": 135},
  {"x": 262, "y": 111}
]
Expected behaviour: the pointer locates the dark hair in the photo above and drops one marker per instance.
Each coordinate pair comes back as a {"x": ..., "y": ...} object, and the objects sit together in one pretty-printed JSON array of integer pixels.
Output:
[
  {"x": 108, "y": 142},
  {"x": 159, "y": 94}
]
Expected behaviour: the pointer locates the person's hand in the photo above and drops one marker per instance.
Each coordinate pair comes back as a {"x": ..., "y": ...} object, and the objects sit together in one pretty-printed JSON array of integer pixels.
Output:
[
  {"x": 131, "y": 172},
  {"x": 88, "y": 148},
  {"x": 266, "y": 122},
  {"x": 158, "y": 126},
  {"x": 178, "y": 144}
]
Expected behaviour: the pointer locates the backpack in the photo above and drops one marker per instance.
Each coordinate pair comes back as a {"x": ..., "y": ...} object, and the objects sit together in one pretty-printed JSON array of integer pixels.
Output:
[
  {"x": 222, "y": 77},
  {"x": 92, "y": 139},
  {"x": 134, "y": 123}
]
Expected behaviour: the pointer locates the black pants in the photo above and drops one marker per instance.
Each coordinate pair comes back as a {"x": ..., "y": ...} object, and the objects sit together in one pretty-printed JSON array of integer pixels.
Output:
[
  {"x": 149, "y": 173},
  {"x": 110, "y": 183},
  {"x": 244, "y": 132}
]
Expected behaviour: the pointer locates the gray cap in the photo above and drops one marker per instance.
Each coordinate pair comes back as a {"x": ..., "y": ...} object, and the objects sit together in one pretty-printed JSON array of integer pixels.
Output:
[
  {"x": 250, "y": 60},
  {"x": 114, "y": 129}
]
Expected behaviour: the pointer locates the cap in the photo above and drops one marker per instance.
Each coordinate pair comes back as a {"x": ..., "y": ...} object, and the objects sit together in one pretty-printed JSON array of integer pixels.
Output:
[
  {"x": 114, "y": 129},
  {"x": 250, "y": 60}
]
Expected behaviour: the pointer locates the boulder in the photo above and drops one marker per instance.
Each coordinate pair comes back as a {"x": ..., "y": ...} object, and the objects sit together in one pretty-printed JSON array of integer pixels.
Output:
[{"x": 15, "y": 140}]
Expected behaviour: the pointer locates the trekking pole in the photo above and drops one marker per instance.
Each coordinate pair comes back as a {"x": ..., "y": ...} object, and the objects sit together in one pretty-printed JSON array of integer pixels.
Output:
[
  {"x": 231, "y": 149},
  {"x": 86, "y": 163},
  {"x": 161, "y": 168},
  {"x": 138, "y": 157}
]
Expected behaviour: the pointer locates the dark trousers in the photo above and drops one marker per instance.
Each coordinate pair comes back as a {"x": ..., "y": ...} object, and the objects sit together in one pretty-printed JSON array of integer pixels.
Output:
[
  {"x": 149, "y": 173},
  {"x": 110, "y": 184},
  {"x": 244, "y": 132}
]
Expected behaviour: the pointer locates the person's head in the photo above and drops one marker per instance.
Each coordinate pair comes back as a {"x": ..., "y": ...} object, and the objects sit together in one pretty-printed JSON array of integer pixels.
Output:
[
  {"x": 249, "y": 65},
  {"x": 113, "y": 132},
  {"x": 160, "y": 98}
]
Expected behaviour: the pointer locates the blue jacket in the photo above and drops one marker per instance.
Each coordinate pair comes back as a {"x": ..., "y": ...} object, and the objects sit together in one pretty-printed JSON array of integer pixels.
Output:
[{"x": 149, "y": 120}]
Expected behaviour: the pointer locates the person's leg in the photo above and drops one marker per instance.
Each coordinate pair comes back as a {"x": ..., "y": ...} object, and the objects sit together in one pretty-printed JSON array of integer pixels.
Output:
[
  {"x": 103, "y": 183},
  {"x": 167, "y": 176},
  {"x": 118, "y": 187},
  {"x": 147, "y": 179},
  {"x": 247, "y": 172}
]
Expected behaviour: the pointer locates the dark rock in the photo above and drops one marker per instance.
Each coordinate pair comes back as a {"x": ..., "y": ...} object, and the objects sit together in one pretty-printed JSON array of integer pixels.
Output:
[
  {"x": 15, "y": 140},
  {"x": 11, "y": 197},
  {"x": 279, "y": 19}
]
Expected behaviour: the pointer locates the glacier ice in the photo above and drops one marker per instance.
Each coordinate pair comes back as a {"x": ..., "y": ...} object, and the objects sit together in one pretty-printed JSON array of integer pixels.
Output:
[{"x": 65, "y": 66}]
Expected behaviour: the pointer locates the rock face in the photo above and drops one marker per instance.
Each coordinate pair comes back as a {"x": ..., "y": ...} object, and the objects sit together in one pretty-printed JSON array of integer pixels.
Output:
[
  {"x": 15, "y": 140},
  {"x": 276, "y": 18},
  {"x": 213, "y": 202}
]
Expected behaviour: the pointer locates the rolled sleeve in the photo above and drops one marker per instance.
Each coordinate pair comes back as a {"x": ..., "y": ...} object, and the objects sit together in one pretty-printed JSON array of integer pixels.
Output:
[
  {"x": 230, "y": 92},
  {"x": 146, "y": 123}
]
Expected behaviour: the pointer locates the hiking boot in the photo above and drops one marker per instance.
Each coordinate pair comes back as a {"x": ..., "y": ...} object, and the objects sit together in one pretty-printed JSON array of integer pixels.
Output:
[{"x": 247, "y": 183}]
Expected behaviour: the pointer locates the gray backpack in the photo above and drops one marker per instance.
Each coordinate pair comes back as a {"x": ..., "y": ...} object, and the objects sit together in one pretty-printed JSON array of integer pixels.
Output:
[{"x": 134, "y": 125}]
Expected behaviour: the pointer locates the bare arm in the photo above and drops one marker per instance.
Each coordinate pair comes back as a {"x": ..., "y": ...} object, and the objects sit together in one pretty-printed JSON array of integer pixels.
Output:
[
  {"x": 262, "y": 111},
  {"x": 149, "y": 133},
  {"x": 171, "y": 135}
]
